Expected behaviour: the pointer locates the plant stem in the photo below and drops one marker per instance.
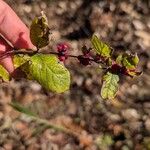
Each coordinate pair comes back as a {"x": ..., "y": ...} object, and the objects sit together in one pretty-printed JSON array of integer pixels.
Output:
[{"x": 30, "y": 52}]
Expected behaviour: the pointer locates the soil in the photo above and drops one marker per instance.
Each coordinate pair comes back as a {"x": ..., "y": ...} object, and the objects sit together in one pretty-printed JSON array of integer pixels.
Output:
[{"x": 93, "y": 123}]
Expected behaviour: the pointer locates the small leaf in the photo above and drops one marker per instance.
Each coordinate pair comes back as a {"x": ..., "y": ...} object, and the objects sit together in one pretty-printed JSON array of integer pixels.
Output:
[
  {"x": 19, "y": 60},
  {"x": 135, "y": 59},
  {"x": 110, "y": 85},
  {"x": 133, "y": 73},
  {"x": 127, "y": 63},
  {"x": 47, "y": 70},
  {"x": 39, "y": 31},
  {"x": 109, "y": 61},
  {"x": 130, "y": 61},
  {"x": 119, "y": 59},
  {"x": 101, "y": 48},
  {"x": 4, "y": 75},
  {"x": 22, "y": 109}
]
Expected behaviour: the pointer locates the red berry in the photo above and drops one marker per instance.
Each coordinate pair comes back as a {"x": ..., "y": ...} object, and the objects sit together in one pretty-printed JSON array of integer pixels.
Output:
[
  {"x": 62, "y": 49},
  {"x": 62, "y": 58}
]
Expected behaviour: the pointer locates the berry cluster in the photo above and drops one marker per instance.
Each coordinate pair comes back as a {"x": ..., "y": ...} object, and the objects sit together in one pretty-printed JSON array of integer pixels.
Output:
[
  {"x": 85, "y": 59},
  {"x": 62, "y": 49}
]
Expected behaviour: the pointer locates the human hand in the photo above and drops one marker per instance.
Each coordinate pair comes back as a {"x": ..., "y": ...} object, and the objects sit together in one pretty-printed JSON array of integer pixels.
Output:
[{"x": 14, "y": 31}]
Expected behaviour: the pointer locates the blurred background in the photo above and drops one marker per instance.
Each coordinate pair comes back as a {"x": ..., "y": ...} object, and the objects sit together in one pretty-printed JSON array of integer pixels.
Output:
[{"x": 94, "y": 124}]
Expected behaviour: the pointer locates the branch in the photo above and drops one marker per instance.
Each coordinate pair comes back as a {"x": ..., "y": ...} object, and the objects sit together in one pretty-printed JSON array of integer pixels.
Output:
[{"x": 30, "y": 52}]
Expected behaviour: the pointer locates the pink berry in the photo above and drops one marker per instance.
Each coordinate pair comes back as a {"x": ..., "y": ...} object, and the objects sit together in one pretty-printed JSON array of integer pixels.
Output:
[
  {"x": 62, "y": 49},
  {"x": 62, "y": 58}
]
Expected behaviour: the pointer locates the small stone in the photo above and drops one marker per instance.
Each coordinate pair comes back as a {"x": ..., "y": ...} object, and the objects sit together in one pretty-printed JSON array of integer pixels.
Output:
[
  {"x": 79, "y": 80},
  {"x": 62, "y": 7},
  {"x": 72, "y": 109},
  {"x": 144, "y": 38},
  {"x": 1, "y": 115},
  {"x": 67, "y": 147},
  {"x": 19, "y": 126},
  {"x": 135, "y": 126},
  {"x": 130, "y": 114},
  {"x": 8, "y": 145},
  {"x": 55, "y": 35},
  {"x": 35, "y": 87},
  {"x": 125, "y": 147},
  {"x": 43, "y": 5},
  {"x": 85, "y": 139},
  {"x": 147, "y": 125},
  {"x": 114, "y": 117},
  {"x": 146, "y": 105},
  {"x": 148, "y": 64},
  {"x": 138, "y": 25},
  {"x": 27, "y": 8}
]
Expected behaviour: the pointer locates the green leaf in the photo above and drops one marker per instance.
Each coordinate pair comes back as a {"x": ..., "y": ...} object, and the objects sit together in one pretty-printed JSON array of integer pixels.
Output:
[
  {"x": 47, "y": 70},
  {"x": 133, "y": 73},
  {"x": 119, "y": 59},
  {"x": 101, "y": 48},
  {"x": 22, "y": 109},
  {"x": 39, "y": 31},
  {"x": 135, "y": 59},
  {"x": 130, "y": 61},
  {"x": 20, "y": 59},
  {"x": 110, "y": 85},
  {"x": 109, "y": 62},
  {"x": 4, "y": 75}
]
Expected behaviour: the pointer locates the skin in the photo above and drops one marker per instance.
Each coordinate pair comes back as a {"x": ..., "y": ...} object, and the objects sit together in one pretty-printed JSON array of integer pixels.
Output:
[{"x": 14, "y": 31}]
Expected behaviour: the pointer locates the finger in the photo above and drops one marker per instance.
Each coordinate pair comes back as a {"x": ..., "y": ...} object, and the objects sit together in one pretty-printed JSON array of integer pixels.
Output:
[
  {"x": 7, "y": 61},
  {"x": 12, "y": 28}
]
